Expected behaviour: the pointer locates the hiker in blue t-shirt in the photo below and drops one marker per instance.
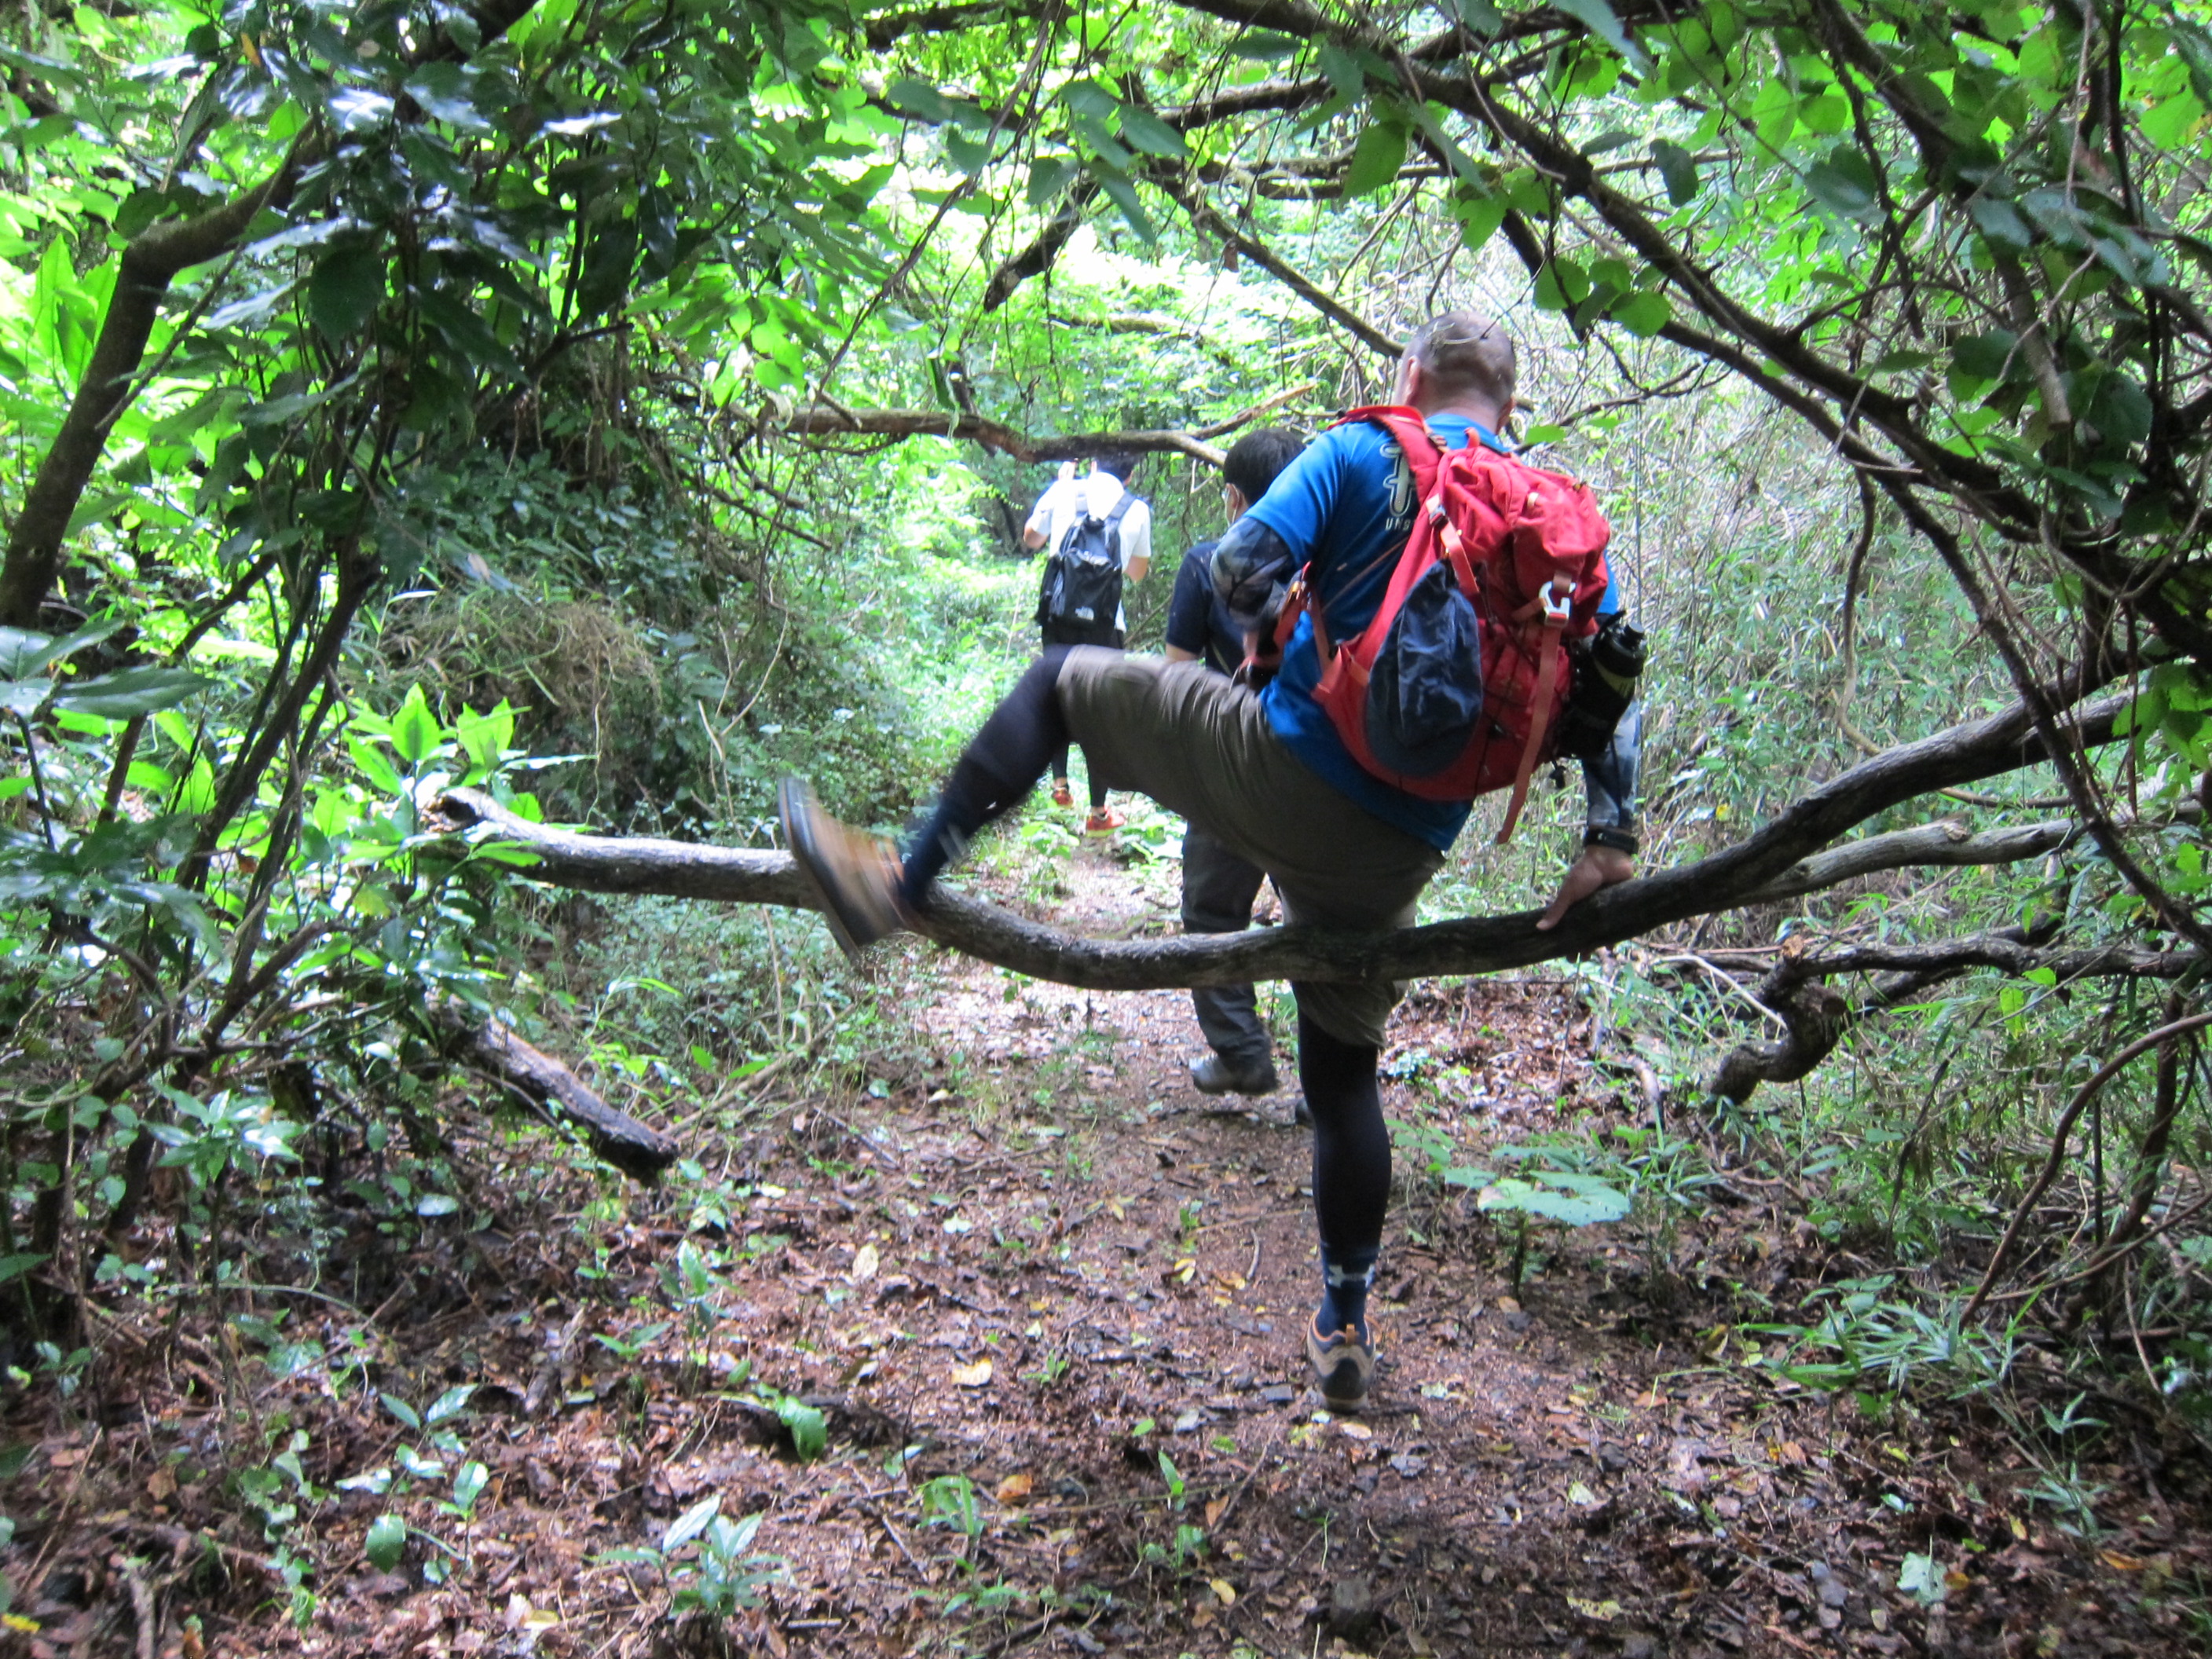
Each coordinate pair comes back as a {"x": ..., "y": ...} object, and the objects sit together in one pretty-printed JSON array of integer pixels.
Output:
[
  {"x": 1264, "y": 774},
  {"x": 1217, "y": 886}
]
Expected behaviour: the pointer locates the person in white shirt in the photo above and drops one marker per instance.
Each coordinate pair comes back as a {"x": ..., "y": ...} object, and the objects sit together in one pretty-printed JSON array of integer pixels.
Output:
[{"x": 1067, "y": 502}]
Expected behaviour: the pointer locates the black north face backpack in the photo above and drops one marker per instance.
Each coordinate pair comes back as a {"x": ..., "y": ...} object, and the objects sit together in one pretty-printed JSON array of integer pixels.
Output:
[{"x": 1081, "y": 594}]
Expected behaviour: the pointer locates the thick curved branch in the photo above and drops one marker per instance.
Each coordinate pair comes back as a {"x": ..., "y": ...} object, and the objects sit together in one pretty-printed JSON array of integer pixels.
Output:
[
  {"x": 1816, "y": 1017},
  {"x": 1964, "y": 754},
  {"x": 833, "y": 420}
]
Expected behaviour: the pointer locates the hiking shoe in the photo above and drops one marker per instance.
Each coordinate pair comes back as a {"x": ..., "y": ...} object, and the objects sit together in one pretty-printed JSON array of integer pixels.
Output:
[
  {"x": 855, "y": 876},
  {"x": 1103, "y": 821},
  {"x": 1061, "y": 794},
  {"x": 1301, "y": 1114},
  {"x": 1343, "y": 1365},
  {"x": 1215, "y": 1076}
]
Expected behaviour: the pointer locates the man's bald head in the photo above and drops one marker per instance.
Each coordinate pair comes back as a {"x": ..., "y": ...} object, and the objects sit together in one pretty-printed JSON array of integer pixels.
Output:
[{"x": 1464, "y": 358}]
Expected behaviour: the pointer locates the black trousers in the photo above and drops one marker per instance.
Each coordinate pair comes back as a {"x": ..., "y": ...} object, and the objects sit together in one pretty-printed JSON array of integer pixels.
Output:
[{"x": 1217, "y": 890}]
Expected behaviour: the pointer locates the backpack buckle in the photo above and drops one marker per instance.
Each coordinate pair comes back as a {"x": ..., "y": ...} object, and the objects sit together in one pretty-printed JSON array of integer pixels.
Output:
[{"x": 1559, "y": 606}]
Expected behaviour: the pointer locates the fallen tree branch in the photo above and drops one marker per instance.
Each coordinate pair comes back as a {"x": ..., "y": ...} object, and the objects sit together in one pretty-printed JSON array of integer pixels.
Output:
[
  {"x": 830, "y": 419},
  {"x": 1979, "y": 749},
  {"x": 550, "y": 1089},
  {"x": 1816, "y": 1017}
]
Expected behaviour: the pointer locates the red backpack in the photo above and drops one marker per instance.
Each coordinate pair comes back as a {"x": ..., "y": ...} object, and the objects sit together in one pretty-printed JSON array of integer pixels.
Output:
[{"x": 1454, "y": 689}]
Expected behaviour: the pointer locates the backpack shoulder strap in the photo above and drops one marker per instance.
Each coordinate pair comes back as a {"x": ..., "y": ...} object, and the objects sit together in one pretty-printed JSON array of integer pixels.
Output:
[
  {"x": 1422, "y": 452},
  {"x": 1120, "y": 506}
]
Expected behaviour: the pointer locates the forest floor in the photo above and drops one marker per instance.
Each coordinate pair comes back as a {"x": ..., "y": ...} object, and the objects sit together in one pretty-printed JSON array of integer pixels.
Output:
[{"x": 1002, "y": 1354}]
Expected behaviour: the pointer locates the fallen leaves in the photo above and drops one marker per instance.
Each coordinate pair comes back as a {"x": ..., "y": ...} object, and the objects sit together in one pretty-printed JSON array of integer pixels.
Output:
[
  {"x": 1014, "y": 1488},
  {"x": 977, "y": 1376}
]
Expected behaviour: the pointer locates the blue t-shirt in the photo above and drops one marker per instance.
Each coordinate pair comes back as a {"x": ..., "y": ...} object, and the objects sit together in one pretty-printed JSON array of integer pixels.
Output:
[{"x": 1344, "y": 509}]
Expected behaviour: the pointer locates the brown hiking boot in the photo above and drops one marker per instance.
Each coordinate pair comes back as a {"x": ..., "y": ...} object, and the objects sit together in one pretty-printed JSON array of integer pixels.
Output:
[
  {"x": 1343, "y": 1367},
  {"x": 855, "y": 876}
]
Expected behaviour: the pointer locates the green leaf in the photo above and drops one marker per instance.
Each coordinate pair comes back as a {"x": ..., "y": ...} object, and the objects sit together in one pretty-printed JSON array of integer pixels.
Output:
[
  {"x": 443, "y": 90},
  {"x": 1515, "y": 1196},
  {"x": 809, "y": 1430},
  {"x": 1260, "y": 47},
  {"x": 2000, "y": 221},
  {"x": 922, "y": 100},
  {"x": 1150, "y": 134},
  {"x": 1643, "y": 312},
  {"x": 1922, "y": 1577},
  {"x": 1123, "y": 194},
  {"x": 23, "y": 653},
  {"x": 1843, "y": 184},
  {"x": 449, "y": 1404},
  {"x": 608, "y": 259},
  {"x": 386, "y": 1542},
  {"x": 25, "y": 698},
  {"x": 415, "y": 730},
  {"x": 468, "y": 1485},
  {"x": 1679, "y": 168},
  {"x": 345, "y": 288},
  {"x": 1600, "y": 19},
  {"x": 1376, "y": 158},
  {"x": 13, "y": 1267},
  {"x": 689, "y": 1524},
  {"x": 484, "y": 738},
  {"x": 129, "y": 693},
  {"x": 1049, "y": 179},
  {"x": 1986, "y": 357},
  {"x": 1480, "y": 16}
]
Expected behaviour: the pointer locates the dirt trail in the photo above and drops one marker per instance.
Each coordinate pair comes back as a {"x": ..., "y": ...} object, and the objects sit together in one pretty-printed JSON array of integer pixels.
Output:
[{"x": 1047, "y": 1303}]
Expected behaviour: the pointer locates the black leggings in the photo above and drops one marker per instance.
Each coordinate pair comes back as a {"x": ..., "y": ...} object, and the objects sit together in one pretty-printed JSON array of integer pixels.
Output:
[
  {"x": 1000, "y": 767},
  {"x": 1352, "y": 1146}
]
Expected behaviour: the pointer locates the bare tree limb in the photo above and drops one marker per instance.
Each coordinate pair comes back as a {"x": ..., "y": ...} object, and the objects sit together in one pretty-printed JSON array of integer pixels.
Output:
[
  {"x": 550, "y": 1089},
  {"x": 1816, "y": 1017},
  {"x": 831, "y": 420},
  {"x": 1977, "y": 749}
]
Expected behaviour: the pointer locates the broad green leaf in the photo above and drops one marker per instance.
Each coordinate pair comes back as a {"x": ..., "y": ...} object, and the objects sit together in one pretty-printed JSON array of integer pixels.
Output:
[
  {"x": 346, "y": 289},
  {"x": 1602, "y": 21},
  {"x": 23, "y": 652},
  {"x": 443, "y": 90},
  {"x": 809, "y": 1430},
  {"x": 1644, "y": 313},
  {"x": 1376, "y": 158},
  {"x": 608, "y": 258},
  {"x": 1843, "y": 184},
  {"x": 415, "y": 730},
  {"x": 484, "y": 738},
  {"x": 1147, "y": 132},
  {"x": 1261, "y": 47},
  {"x": 449, "y": 1404},
  {"x": 1678, "y": 168},
  {"x": 1048, "y": 179},
  {"x": 1123, "y": 194},
  {"x": 1986, "y": 357},
  {"x": 24, "y": 698},
  {"x": 2000, "y": 221},
  {"x": 468, "y": 1485},
  {"x": 129, "y": 693},
  {"x": 386, "y": 1542},
  {"x": 689, "y": 1524},
  {"x": 1515, "y": 1196}
]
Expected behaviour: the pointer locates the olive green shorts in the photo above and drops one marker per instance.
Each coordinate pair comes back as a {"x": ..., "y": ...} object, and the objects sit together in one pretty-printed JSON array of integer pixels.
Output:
[{"x": 1202, "y": 747}]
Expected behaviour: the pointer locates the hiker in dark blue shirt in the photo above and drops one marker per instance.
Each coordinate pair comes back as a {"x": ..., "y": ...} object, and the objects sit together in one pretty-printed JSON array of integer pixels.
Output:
[
  {"x": 1264, "y": 773},
  {"x": 1217, "y": 886}
]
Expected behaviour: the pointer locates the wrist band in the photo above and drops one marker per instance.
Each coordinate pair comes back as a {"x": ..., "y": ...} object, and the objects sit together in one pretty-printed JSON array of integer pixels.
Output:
[{"x": 1621, "y": 841}]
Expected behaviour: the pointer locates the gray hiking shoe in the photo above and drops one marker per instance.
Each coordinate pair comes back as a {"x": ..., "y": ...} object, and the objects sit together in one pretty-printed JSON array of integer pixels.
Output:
[
  {"x": 1343, "y": 1367},
  {"x": 855, "y": 876},
  {"x": 1215, "y": 1076}
]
